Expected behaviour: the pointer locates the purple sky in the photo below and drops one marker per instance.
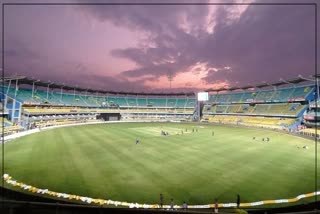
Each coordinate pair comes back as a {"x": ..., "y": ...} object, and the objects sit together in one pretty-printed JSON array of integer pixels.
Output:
[{"x": 134, "y": 48}]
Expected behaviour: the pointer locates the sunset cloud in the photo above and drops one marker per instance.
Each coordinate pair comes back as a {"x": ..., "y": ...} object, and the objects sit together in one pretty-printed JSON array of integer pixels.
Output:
[{"x": 135, "y": 47}]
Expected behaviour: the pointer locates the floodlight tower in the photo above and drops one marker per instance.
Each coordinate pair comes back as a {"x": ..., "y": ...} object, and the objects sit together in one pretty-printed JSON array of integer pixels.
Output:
[{"x": 170, "y": 77}]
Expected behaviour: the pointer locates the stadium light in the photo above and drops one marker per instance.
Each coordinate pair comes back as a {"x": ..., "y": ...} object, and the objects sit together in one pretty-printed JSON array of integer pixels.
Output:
[
  {"x": 170, "y": 77},
  {"x": 32, "y": 94}
]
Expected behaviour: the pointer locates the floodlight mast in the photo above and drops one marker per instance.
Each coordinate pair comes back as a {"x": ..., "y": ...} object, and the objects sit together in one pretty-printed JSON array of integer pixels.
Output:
[
  {"x": 15, "y": 93},
  {"x": 50, "y": 83},
  {"x": 170, "y": 78},
  {"x": 33, "y": 88},
  {"x": 9, "y": 86}
]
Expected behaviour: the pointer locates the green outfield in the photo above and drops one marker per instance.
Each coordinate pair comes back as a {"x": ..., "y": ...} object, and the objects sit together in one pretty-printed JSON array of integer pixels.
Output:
[{"x": 103, "y": 161}]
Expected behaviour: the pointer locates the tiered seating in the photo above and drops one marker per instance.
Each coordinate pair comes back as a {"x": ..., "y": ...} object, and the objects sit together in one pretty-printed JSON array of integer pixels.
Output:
[
  {"x": 181, "y": 103},
  {"x": 90, "y": 100},
  {"x": 261, "y": 109},
  {"x": 206, "y": 109},
  {"x": 247, "y": 96},
  {"x": 223, "y": 119},
  {"x": 94, "y": 101},
  {"x": 121, "y": 101},
  {"x": 74, "y": 110},
  {"x": 142, "y": 101},
  {"x": 219, "y": 108},
  {"x": 171, "y": 102},
  {"x": 282, "y": 95},
  {"x": 300, "y": 92},
  {"x": 286, "y": 109},
  {"x": 233, "y": 108},
  {"x": 39, "y": 96},
  {"x": 277, "y": 109},
  {"x": 249, "y": 111},
  {"x": 45, "y": 123},
  {"x": 245, "y": 109},
  {"x": 158, "y": 102},
  {"x": 132, "y": 101},
  {"x": 190, "y": 103},
  {"x": 275, "y": 95},
  {"x": 64, "y": 110},
  {"x": 270, "y": 122},
  {"x": 24, "y": 95},
  {"x": 10, "y": 128},
  {"x": 228, "y": 98},
  {"x": 157, "y": 110},
  {"x": 264, "y": 95}
]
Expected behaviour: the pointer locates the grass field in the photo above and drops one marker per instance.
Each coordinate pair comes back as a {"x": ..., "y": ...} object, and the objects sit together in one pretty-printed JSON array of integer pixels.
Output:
[{"x": 103, "y": 161}]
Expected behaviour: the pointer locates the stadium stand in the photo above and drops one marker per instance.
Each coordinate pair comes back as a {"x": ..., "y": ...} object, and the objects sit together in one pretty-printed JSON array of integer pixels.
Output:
[
  {"x": 297, "y": 93},
  {"x": 275, "y": 106},
  {"x": 42, "y": 105},
  {"x": 268, "y": 122},
  {"x": 67, "y": 99}
]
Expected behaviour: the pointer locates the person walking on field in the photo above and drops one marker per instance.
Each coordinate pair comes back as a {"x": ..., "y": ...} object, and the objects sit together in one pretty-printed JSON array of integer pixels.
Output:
[
  {"x": 216, "y": 205},
  {"x": 184, "y": 206},
  {"x": 238, "y": 200},
  {"x": 171, "y": 204},
  {"x": 161, "y": 201}
]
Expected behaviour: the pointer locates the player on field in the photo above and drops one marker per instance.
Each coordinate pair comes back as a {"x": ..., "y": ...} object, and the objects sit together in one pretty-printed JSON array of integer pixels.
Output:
[
  {"x": 216, "y": 205},
  {"x": 184, "y": 206},
  {"x": 171, "y": 204},
  {"x": 161, "y": 201}
]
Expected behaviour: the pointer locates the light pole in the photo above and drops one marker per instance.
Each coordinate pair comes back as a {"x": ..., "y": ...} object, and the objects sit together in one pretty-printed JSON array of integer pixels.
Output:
[{"x": 170, "y": 78}]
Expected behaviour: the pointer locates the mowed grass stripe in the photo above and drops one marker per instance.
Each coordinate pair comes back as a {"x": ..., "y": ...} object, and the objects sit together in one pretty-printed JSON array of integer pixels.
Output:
[
  {"x": 84, "y": 162},
  {"x": 131, "y": 162}
]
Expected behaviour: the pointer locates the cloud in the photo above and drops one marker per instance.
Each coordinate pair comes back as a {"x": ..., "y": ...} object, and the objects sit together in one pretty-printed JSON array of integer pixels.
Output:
[
  {"x": 259, "y": 43},
  {"x": 200, "y": 46},
  {"x": 266, "y": 43},
  {"x": 161, "y": 51}
]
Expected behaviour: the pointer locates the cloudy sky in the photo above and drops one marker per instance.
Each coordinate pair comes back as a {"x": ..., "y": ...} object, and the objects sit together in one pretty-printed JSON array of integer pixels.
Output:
[{"x": 136, "y": 47}]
